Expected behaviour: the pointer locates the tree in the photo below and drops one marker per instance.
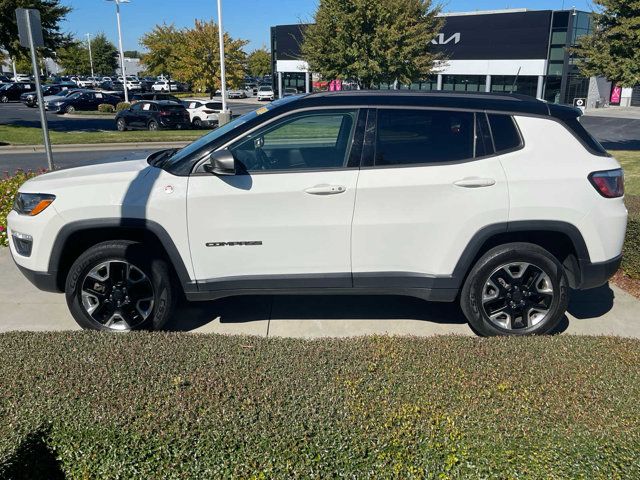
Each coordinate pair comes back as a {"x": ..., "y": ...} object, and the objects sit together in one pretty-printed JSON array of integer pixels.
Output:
[
  {"x": 613, "y": 49},
  {"x": 162, "y": 45},
  {"x": 372, "y": 41},
  {"x": 259, "y": 62},
  {"x": 51, "y": 14},
  {"x": 131, "y": 54},
  {"x": 74, "y": 58},
  {"x": 198, "y": 58},
  {"x": 105, "y": 55}
]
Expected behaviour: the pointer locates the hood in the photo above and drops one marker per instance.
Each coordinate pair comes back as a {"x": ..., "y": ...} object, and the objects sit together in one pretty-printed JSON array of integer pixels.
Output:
[{"x": 104, "y": 173}]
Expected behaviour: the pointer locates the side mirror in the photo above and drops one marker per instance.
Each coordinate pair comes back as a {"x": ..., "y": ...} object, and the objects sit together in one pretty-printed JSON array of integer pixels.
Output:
[{"x": 221, "y": 163}]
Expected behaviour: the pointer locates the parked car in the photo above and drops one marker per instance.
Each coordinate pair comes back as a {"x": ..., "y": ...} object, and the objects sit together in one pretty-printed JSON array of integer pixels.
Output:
[
  {"x": 251, "y": 88},
  {"x": 133, "y": 85},
  {"x": 136, "y": 97},
  {"x": 146, "y": 83},
  {"x": 236, "y": 93},
  {"x": 4, "y": 79},
  {"x": 62, "y": 94},
  {"x": 107, "y": 79},
  {"x": 12, "y": 91},
  {"x": 89, "y": 82},
  {"x": 165, "y": 86},
  {"x": 290, "y": 91},
  {"x": 153, "y": 115},
  {"x": 113, "y": 88},
  {"x": 202, "y": 113},
  {"x": 265, "y": 93},
  {"x": 30, "y": 98},
  {"x": 501, "y": 202},
  {"x": 22, "y": 77},
  {"x": 85, "y": 100}
]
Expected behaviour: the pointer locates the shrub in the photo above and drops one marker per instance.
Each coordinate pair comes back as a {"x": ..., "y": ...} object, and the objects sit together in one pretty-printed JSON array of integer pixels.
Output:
[
  {"x": 631, "y": 258},
  {"x": 8, "y": 189},
  {"x": 106, "y": 108},
  {"x": 95, "y": 405},
  {"x": 122, "y": 106}
]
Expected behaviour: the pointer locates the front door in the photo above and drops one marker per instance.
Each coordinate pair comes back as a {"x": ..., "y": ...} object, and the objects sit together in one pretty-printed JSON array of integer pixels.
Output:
[
  {"x": 430, "y": 184},
  {"x": 285, "y": 220}
]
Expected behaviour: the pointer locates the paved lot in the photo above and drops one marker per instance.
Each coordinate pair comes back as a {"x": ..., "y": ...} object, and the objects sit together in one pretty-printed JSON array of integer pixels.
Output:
[{"x": 603, "y": 311}]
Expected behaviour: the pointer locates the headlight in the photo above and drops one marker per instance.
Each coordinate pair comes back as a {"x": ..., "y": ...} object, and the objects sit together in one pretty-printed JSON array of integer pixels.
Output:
[{"x": 32, "y": 203}]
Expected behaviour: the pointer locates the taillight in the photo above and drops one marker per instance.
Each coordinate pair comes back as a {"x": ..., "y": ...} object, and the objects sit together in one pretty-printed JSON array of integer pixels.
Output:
[{"x": 608, "y": 183}]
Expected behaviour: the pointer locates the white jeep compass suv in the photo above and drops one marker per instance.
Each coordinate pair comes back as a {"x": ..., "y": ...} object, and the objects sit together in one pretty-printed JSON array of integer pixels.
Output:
[{"x": 502, "y": 203}]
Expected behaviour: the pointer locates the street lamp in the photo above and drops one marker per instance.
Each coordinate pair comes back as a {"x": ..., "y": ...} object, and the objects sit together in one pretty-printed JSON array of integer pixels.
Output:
[
  {"x": 223, "y": 81},
  {"x": 124, "y": 73},
  {"x": 90, "y": 56}
]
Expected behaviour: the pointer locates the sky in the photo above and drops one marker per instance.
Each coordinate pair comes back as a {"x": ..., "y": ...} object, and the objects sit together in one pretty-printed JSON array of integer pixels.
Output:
[{"x": 247, "y": 19}]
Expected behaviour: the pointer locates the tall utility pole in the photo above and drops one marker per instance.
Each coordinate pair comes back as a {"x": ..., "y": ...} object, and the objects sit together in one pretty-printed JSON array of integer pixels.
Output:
[
  {"x": 90, "y": 56},
  {"x": 124, "y": 73},
  {"x": 223, "y": 79}
]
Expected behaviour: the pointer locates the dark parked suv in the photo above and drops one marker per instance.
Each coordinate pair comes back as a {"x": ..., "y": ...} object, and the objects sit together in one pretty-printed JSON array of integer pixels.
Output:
[
  {"x": 12, "y": 91},
  {"x": 30, "y": 98},
  {"x": 153, "y": 115}
]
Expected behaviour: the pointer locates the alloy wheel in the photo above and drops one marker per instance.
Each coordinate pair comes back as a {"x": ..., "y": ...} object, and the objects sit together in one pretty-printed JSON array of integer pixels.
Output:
[
  {"x": 517, "y": 296},
  {"x": 117, "y": 295},
  {"x": 4, "y": 99}
]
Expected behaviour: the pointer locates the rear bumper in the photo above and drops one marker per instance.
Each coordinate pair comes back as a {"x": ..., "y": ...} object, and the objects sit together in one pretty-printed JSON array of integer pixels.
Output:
[{"x": 593, "y": 275}]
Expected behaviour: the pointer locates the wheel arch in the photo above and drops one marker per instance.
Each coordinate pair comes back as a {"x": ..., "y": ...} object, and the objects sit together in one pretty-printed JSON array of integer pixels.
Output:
[
  {"x": 76, "y": 237},
  {"x": 563, "y": 240}
]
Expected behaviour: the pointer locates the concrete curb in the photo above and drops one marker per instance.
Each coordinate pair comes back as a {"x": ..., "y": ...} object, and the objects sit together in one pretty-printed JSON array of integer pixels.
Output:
[{"x": 16, "y": 149}]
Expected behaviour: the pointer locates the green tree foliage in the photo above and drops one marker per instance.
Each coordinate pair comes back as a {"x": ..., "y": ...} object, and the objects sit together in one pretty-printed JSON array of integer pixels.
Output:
[
  {"x": 74, "y": 58},
  {"x": 259, "y": 62},
  {"x": 198, "y": 58},
  {"x": 162, "y": 45},
  {"x": 372, "y": 41},
  {"x": 131, "y": 54},
  {"x": 105, "y": 55},
  {"x": 613, "y": 49},
  {"x": 52, "y": 12}
]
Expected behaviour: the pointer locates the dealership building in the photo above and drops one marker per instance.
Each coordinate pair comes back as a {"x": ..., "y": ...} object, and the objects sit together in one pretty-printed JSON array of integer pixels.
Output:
[{"x": 519, "y": 50}]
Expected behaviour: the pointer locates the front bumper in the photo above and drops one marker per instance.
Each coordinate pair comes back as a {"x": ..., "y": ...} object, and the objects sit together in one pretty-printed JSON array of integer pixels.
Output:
[
  {"x": 594, "y": 275},
  {"x": 46, "y": 281}
]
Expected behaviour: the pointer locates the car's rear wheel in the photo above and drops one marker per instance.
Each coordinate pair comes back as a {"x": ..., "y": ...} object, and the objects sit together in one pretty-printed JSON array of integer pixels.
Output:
[
  {"x": 515, "y": 289},
  {"x": 153, "y": 125},
  {"x": 118, "y": 286},
  {"x": 121, "y": 125},
  {"x": 197, "y": 123}
]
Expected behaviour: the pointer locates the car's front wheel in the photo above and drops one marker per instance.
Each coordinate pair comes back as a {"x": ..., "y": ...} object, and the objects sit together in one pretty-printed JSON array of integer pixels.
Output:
[
  {"x": 118, "y": 286},
  {"x": 197, "y": 123},
  {"x": 121, "y": 125},
  {"x": 70, "y": 109},
  {"x": 4, "y": 99},
  {"x": 515, "y": 289}
]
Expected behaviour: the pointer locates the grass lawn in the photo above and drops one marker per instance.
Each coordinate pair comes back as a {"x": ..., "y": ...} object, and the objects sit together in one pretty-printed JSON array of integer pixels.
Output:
[
  {"x": 89, "y": 405},
  {"x": 630, "y": 161},
  {"x": 16, "y": 135}
]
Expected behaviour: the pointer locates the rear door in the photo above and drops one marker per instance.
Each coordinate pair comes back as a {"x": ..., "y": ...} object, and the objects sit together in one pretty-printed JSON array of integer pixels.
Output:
[{"x": 429, "y": 183}]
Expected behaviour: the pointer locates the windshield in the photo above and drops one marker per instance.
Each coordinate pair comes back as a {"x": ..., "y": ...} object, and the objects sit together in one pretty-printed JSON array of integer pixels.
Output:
[
  {"x": 210, "y": 138},
  {"x": 265, "y": 89},
  {"x": 73, "y": 96}
]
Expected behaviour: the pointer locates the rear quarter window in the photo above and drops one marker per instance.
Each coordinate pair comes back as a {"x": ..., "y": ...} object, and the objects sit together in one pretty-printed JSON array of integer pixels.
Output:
[
  {"x": 587, "y": 140},
  {"x": 505, "y": 133}
]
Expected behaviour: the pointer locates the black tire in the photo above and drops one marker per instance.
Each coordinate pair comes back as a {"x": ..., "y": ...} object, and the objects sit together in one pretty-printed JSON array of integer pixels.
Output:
[
  {"x": 197, "y": 123},
  {"x": 127, "y": 256},
  {"x": 517, "y": 294},
  {"x": 70, "y": 109},
  {"x": 153, "y": 126},
  {"x": 121, "y": 125}
]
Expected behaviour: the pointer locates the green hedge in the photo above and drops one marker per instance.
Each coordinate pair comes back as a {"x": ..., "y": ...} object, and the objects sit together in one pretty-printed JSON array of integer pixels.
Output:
[
  {"x": 89, "y": 405},
  {"x": 122, "y": 106},
  {"x": 106, "y": 108},
  {"x": 631, "y": 257},
  {"x": 8, "y": 188}
]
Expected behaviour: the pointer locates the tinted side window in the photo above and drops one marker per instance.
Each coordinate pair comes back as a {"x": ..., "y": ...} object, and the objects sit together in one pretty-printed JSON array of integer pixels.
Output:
[
  {"x": 407, "y": 137},
  {"x": 313, "y": 140},
  {"x": 505, "y": 133}
]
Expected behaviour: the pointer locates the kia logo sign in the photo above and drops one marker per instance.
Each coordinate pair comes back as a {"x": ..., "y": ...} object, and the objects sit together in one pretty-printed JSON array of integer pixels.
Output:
[{"x": 441, "y": 40}]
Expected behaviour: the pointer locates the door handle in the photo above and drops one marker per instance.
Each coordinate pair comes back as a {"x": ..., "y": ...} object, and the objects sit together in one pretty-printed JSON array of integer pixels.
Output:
[
  {"x": 325, "y": 189},
  {"x": 475, "y": 182}
]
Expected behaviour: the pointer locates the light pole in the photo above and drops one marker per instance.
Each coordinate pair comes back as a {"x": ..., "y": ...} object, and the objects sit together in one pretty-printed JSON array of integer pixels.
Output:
[
  {"x": 124, "y": 73},
  {"x": 90, "y": 56},
  {"x": 223, "y": 79}
]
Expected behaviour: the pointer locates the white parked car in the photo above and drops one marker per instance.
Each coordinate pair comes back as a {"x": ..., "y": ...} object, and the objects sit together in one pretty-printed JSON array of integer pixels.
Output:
[
  {"x": 265, "y": 93},
  {"x": 107, "y": 79},
  {"x": 21, "y": 77},
  {"x": 88, "y": 82},
  {"x": 165, "y": 86},
  {"x": 501, "y": 202},
  {"x": 203, "y": 113}
]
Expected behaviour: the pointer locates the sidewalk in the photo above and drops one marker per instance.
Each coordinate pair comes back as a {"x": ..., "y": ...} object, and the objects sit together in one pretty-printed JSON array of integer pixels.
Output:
[
  {"x": 604, "y": 311},
  {"x": 75, "y": 147},
  {"x": 615, "y": 112}
]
